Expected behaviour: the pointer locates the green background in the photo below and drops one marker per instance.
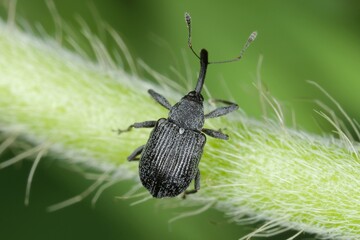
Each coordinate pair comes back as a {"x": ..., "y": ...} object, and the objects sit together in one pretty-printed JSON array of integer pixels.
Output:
[{"x": 299, "y": 41}]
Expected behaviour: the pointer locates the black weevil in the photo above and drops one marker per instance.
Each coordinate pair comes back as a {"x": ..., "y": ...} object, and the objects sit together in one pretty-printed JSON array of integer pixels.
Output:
[{"x": 170, "y": 158}]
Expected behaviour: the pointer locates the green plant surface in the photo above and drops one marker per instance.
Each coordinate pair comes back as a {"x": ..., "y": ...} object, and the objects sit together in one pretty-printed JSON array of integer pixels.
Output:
[{"x": 66, "y": 104}]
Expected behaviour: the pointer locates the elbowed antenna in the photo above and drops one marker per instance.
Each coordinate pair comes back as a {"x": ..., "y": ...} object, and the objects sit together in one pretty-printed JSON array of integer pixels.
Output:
[
  {"x": 188, "y": 22},
  {"x": 247, "y": 44},
  {"x": 204, "y": 60}
]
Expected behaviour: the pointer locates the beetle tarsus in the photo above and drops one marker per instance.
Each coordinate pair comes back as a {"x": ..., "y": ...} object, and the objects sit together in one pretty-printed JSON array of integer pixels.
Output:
[
  {"x": 187, "y": 192},
  {"x": 120, "y": 131},
  {"x": 146, "y": 124}
]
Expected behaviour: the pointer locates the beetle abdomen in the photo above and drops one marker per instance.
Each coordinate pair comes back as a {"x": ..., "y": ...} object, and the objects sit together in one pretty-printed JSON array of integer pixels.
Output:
[{"x": 170, "y": 159}]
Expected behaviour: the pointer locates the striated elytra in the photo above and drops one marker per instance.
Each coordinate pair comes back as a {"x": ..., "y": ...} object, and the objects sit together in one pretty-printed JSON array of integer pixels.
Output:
[{"x": 169, "y": 161}]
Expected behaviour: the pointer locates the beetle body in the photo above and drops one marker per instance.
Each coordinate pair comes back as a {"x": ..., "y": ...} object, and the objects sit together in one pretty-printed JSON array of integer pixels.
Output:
[{"x": 169, "y": 160}]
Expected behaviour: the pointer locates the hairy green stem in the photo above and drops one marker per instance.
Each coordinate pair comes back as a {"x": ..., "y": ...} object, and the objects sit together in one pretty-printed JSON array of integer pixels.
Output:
[{"x": 69, "y": 105}]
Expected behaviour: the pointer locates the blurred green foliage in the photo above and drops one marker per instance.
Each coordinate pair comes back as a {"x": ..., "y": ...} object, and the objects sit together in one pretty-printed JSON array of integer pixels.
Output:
[{"x": 299, "y": 41}]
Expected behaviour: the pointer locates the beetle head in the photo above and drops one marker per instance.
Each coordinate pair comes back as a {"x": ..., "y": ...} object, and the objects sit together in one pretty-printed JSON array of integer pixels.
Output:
[{"x": 194, "y": 96}]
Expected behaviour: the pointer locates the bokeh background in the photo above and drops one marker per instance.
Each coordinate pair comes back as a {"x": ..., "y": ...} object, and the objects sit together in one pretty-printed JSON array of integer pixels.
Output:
[{"x": 298, "y": 41}]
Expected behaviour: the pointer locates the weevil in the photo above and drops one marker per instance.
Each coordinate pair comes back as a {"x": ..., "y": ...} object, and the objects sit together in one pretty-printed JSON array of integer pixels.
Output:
[{"x": 169, "y": 161}]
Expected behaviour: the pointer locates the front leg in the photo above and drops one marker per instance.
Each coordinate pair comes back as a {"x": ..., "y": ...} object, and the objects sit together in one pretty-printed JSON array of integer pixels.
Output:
[
  {"x": 160, "y": 99},
  {"x": 222, "y": 110},
  {"x": 215, "y": 134},
  {"x": 146, "y": 124}
]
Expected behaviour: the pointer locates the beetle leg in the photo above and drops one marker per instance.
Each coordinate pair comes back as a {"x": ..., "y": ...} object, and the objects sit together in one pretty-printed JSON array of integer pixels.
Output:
[
  {"x": 222, "y": 110},
  {"x": 160, "y": 99},
  {"x": 135, "y": 154},
  {"x": 197, "y": 180},
  {"x": 226, "y": 102},
  {"x": 146, "y": 124},
  {"x": 215, "y": 134},
  {"x": 196, "y": 183}
]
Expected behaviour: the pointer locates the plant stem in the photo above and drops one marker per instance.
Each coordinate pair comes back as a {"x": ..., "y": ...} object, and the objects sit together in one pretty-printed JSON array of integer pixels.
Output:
[{"x": 265, "y": 171}]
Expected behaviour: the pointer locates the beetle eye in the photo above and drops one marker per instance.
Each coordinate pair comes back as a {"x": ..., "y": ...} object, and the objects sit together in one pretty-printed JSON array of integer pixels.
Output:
[{"x": 191, "y": 94}]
